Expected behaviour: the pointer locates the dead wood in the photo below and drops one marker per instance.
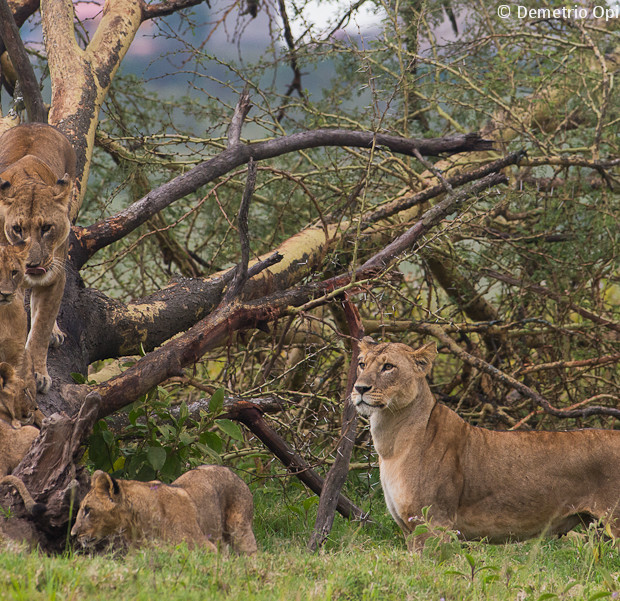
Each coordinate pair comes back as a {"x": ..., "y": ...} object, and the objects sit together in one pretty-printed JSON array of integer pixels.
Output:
[{"x": 338, "y": 472}]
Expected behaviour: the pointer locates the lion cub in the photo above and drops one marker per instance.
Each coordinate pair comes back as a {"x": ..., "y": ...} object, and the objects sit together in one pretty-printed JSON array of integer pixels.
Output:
[
  {"x": 499, "y": 486},
  {"x": 204, "y": 506},
  {"x": 13, "y": 333},
  {"x": 15, "y": 442}
]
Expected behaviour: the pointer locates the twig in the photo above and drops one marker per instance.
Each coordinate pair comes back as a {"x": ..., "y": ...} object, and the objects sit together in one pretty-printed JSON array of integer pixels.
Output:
[
  {"x": 236, "y": 123},
  {"x": 241, "y": 274}
]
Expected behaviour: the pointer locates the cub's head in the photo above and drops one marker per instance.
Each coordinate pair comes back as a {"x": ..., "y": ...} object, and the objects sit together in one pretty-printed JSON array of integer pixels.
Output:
[
  {"x": 17, "y": 403},
  {"x": 389, "y": 375},
  {"x": 101, "y": 510},
  {"x": 12, "y": 270},
  {"x": 36, "y": 209}
]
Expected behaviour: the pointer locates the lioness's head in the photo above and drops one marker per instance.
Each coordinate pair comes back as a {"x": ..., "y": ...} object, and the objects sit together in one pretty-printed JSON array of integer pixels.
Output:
[
  {"x": 12, "y": 270},
  {"x": 36, "y": 210},
  {"x": 389, "y": 375},
  {"x": 100, "y": 513}
]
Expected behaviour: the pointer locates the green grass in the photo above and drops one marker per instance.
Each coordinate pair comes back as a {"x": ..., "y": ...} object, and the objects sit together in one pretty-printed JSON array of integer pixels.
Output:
[{"x": 357, "y": 563}]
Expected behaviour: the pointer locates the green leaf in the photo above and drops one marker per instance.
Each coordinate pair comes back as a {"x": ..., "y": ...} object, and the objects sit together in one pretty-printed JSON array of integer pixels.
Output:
[
  {"x": 216, "y": 404},
  {"x": 599, "y": 595},
  {"x": 156, "y": 457},
  {"x": 78, "y": 378},
  {"x": 547, "y": 596},
  {"x": 231, "y": 428},
  {"x": 470, "y": 560},
  {"x": 213, "y": 440}
]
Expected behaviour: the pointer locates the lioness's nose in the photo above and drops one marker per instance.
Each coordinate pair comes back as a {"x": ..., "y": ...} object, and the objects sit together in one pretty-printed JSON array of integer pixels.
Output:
[{"x": 362, "y": 389}]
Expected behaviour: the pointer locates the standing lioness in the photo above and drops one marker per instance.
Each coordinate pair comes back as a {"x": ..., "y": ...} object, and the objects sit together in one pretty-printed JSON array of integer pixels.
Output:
[
  {"x": 204, "y": 506},
  {"x": 484, "y": 484},
  {"x": 37, "y": 168}
]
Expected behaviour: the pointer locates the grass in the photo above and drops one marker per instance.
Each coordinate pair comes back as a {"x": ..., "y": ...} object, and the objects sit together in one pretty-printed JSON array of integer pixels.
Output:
[{"x": 357, "y": 563}]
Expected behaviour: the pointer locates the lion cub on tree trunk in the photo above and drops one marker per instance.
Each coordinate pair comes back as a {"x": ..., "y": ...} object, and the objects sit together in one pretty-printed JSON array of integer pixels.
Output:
[
  {"x": 37, "y": 168},
  {"x": 14, "y": 442},
  {"x": 499, "y": 486},
  {"x": 13, "y": 334},
  {"x": 202, "y": 507}
]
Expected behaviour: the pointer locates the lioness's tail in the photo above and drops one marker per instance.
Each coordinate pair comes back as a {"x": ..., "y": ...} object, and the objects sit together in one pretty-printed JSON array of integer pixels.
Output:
[{"x": 31, "y": 506}]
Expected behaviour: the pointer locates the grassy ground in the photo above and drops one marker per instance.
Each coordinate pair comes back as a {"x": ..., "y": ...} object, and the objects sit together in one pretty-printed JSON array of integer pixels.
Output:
[{"x": 357, "y": 563}]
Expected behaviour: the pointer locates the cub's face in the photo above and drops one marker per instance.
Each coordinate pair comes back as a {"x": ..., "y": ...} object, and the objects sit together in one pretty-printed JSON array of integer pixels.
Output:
[
  {"x": 12, "y": 270},
  {"x": 388, "y": 375},
  {"x": 37, "y": 213},
  {"x": 98, "y": 516}
]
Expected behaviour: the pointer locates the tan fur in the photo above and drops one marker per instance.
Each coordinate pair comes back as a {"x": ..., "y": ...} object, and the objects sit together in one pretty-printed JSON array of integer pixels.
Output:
[
  {"x": 15, "y": 440},
  {"x": 24, "y": 493},
  {"x": 484, "y": 484},
  {"x": 14, "y": 330},
  {"x": 37, "y": 168},
  {"x": 204, "y": 506}
]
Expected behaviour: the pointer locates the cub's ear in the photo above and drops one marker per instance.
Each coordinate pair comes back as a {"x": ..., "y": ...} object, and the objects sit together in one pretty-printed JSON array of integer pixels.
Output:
[
  {"x": 104, "y": 484},
  {"x": 424, "y": 356},
  {"x": 6, "y": 190},
  {"x": 6, "y": 373},
  {"x": 366, "y": 343}
]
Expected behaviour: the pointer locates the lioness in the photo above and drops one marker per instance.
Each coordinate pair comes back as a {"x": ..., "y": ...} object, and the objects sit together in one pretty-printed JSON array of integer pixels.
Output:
[
  {"x": 37, "y": 168},
  {"x": 14, "y": 330},
  {"x": 15, "y": 440},
  {"x": 495, "y": 485},
  {"x": 205, "y": 505}
]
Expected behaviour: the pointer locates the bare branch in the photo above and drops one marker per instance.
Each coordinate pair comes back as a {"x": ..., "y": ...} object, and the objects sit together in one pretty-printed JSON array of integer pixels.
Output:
[
  {"x": 9, "y": 33},
  {"x": 438, "y": 332},
  {"x": 163, "y": 9},
  {"x": 241, "y": 273},
  {"x": 99, "y": 235},
  {"x": 236, "y": 123}
]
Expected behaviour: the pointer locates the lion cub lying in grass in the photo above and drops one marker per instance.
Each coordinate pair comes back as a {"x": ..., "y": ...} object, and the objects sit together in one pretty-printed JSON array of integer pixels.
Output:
[
  {"x": 499, "y": 486},
  {"x": 204, "y": 506}
]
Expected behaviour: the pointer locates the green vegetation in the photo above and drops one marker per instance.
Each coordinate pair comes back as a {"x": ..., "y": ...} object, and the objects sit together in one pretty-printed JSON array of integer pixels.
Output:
[{"x": 357, "y": 563}]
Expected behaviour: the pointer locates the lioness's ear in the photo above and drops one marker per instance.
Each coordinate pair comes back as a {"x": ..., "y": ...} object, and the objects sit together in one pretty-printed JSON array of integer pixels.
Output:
[
  {"x": 62, "y": 188},
  {"x": 104, "y": 484},
  {"x": 424, "y": 356},
  {"x": 6, "y": 373},
  {"x": 366, "y": 343}
]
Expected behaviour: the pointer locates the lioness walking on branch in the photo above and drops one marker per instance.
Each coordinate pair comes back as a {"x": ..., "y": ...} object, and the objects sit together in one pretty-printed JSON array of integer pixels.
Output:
[
  {"x": 498, "y": 486},
  {"x": 37, "y": 169}
]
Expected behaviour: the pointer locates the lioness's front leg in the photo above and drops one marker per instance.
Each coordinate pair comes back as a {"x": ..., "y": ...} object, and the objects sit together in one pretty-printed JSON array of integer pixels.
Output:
[{"x": 44, "y": 305}]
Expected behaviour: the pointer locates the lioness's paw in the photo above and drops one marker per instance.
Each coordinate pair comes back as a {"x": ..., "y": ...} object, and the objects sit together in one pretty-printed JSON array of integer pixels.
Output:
[
  {"x": 57, "y": 337},
  {"x": 44, "y": 382}
]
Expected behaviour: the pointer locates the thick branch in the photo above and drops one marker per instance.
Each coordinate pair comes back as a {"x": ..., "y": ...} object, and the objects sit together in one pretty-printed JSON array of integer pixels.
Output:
[
  {"x": 99, "y": 235},
  {"x": 251, "y": 417},
  {"x": 9, "y": 33}
]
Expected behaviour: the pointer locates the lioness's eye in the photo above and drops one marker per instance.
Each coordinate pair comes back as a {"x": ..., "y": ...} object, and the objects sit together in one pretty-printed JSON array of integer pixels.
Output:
[
  {"x": 387, "y": 367},
  {"x": 14, "y": 273},
  {"x": 17, "y": 229},
  {"x": 361, "y": 365},
  {"x": 46, "y": 228}
]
